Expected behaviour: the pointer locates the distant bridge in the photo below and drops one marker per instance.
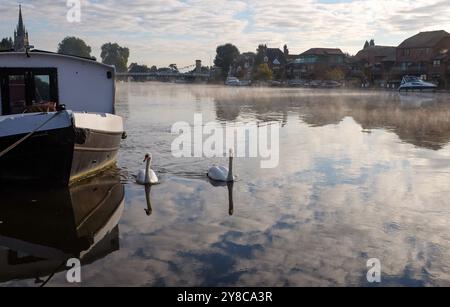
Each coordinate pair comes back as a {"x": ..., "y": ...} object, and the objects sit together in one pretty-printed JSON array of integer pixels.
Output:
[{"x": 166, "y": 75}]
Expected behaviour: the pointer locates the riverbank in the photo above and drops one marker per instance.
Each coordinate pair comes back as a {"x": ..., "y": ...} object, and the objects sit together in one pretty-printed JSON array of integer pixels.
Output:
[{"x": 277, "y": 84}]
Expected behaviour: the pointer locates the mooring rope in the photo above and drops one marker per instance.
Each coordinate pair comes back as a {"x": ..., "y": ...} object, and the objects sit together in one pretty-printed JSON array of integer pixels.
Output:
[{"x": 4, "y": 152}]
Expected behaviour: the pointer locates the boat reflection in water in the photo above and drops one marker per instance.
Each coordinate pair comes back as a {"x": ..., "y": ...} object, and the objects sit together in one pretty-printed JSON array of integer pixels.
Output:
[{"x": 41, "y": 229}]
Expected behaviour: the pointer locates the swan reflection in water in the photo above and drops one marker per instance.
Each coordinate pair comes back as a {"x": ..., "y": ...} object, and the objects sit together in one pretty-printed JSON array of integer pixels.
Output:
[
  {"x": 230, "y": 187},
  {"x": 149, "y": 209},
  {"x": 42, "y": 229}
]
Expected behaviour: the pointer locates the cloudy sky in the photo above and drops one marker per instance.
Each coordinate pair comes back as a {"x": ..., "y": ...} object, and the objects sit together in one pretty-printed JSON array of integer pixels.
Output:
[{"x": 161, "y": 32}]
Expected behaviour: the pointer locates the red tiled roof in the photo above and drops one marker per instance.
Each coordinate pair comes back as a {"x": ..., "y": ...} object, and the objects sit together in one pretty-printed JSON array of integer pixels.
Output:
[
  {"x": 381, "y": 53},
  {"x": 323, "y": 51},
  {"x": 425, "y": 39}
]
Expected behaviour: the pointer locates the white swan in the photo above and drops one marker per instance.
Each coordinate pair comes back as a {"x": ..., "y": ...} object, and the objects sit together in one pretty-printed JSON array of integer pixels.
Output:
[
  {"x": 221, "y": 173},
  {"x": 147, "y": 175}
]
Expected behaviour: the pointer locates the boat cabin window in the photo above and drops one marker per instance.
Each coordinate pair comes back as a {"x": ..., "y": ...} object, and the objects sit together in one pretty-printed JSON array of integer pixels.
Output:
[
  {"x": 42, "y": 88},
  {"x": 28, "y": 90},
  {"x": 17, "y": 93}
]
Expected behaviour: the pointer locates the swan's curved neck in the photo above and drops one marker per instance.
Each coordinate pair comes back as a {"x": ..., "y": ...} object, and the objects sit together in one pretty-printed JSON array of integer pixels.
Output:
[
  {"x": 230, "y": 170},
  {"x": 147, "y": 171}
]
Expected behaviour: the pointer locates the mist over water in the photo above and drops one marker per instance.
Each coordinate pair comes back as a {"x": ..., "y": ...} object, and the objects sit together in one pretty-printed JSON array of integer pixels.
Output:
[{"x": 361, "y": 175}]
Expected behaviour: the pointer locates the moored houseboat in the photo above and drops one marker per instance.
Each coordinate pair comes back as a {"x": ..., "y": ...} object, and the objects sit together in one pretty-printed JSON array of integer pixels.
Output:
[{"x": 57, "y": 118}]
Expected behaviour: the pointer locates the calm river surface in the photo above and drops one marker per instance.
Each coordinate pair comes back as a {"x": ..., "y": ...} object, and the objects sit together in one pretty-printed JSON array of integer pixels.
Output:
[{"x": 361, "y": 175}]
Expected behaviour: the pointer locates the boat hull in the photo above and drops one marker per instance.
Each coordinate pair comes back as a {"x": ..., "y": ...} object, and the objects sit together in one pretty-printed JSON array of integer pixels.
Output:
[
  {"x": 45, "y": 158},
  {"x": 61, "y": 156},
  {"x": 418, "y": 88},
  {"x": 98, "y": 152}
]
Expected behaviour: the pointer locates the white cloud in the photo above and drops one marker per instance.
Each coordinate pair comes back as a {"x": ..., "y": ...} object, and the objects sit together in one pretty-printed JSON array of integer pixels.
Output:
[{"x": 161, "y": 32}]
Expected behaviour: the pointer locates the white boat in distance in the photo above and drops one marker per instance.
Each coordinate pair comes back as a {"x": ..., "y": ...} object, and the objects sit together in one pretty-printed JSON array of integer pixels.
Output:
[
  {"x": 412, "y": 83},
  {"x": 233, "y": 81},
  {"x": 57, "y": 122}
]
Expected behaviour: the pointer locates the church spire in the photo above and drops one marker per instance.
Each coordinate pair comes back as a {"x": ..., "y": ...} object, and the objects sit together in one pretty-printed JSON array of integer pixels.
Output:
[
  {"x": 20, "y": 35},
  {"x": 20, "y": 26}
]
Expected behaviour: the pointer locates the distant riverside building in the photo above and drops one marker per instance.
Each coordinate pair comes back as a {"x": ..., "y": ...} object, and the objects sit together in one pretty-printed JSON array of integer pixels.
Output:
[
  {"x": 328, "y": 56},
  {"x": 275, "y": 58},
  {"x": 377, "y": 61},
  {"x": 426, "y": 55},
  {"x": 315, "y": 62},
  {"x": 21, "y": 40},
  {"x": 277, "y": 61},
  {"x": 422, "y": 53}
]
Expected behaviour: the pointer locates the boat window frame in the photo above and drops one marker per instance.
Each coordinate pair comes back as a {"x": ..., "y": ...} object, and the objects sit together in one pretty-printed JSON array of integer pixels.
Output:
[{"x": 30, "y": 86}]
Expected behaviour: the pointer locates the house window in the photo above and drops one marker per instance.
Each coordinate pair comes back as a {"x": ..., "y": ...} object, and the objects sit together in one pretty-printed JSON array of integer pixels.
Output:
[
  {"x": 437, "y": 63},
  {"x": 404, "y": 66},
  {"x": 406, "y": 52}
]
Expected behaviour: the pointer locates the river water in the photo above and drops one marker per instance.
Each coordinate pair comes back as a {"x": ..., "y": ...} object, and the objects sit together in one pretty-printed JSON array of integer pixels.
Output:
[{"x": 361, "y": 175}]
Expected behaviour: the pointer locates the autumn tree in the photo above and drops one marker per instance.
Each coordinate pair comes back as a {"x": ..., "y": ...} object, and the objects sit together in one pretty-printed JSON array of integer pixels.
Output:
[
  {"x": 335, "y": 74},
  {"x": 263, "y": 73}
]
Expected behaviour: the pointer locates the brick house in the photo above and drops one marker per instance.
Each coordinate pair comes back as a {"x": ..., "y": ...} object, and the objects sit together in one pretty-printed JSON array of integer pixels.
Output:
[
  {"x": 276, "y": 60},
  {"x": 440, "y": 69},
  {"x": 244, "y": 65},
  {"x": 422, "y": 54},
  {"x": 376, "y": 62},
  {"x": 316, "y": 61}
]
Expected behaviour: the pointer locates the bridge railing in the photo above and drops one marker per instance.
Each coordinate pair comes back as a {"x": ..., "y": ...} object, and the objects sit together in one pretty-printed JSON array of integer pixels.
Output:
[{"x": 164, "y": 74}]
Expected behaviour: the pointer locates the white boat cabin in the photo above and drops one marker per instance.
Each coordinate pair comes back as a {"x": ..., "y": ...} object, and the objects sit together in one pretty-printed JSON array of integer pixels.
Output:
[{"x": 43, "y": 78}]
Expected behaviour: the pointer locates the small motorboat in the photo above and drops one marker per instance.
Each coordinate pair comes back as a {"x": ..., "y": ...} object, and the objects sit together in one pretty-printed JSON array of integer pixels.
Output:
[
  {"x": 331, "y": 84},
  {"x": 413, "y": 83},
  {"x": 233, "y": 81}
]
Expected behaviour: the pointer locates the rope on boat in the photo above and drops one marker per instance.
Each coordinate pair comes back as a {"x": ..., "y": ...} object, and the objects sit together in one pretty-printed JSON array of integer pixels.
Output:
[{"x": 4, "y": 152}]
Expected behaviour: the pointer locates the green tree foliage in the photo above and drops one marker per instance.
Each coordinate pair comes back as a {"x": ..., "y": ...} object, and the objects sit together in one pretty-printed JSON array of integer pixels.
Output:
[
  {"x": 74, "y": 46},
  {"x": 113, "y": 54},
  {"x": 140, "y": 69},
  {"x": 136, "y": 68},
  {"x": 226, "y": 54},
  {"x": 263, "y": 73},
  {"x": 260, "y": 55},
  {"x": 6, "y": 44},
  {"x": 173, "y": 67}
]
